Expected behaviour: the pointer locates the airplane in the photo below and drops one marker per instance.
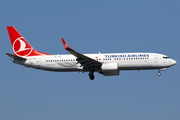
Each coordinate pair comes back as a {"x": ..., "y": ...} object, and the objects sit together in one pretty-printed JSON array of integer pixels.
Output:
[{"x": 107, "y": 64}]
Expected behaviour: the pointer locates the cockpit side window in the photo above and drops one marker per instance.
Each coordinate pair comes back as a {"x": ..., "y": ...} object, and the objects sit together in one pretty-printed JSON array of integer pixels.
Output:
[{"x": 165, "y": 57}]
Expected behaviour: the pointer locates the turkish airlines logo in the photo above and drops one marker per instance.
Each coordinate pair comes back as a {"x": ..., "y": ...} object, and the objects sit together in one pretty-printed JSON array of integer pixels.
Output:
[
  {"x": 66, "y": 46},
  {"x": 21, "y": 47}
]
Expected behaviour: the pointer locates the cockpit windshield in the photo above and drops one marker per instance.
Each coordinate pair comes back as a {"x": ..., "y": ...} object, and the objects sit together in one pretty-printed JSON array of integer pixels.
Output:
[{"x": 166, "y": 57}]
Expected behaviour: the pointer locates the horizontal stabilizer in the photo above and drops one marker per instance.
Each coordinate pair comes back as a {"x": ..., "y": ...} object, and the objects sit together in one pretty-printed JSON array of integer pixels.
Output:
[{"x": 15, "y": 57}]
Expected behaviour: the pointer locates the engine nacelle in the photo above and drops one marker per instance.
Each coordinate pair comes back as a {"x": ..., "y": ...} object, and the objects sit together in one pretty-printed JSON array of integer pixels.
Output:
[
  {"x": 110, "y": 69},
  {"x": 109, "y": 66},
  {"x": 111, "y": 73}
]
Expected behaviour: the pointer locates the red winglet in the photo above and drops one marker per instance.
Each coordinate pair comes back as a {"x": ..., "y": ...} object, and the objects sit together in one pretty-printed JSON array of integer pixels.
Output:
[{"x": 65, "y": 44}]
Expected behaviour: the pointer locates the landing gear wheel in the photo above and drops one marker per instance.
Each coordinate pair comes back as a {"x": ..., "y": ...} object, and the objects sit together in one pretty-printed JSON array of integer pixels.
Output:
[
  {"x": 159, "y": 74},
  {"x": 91, "y": 75}
]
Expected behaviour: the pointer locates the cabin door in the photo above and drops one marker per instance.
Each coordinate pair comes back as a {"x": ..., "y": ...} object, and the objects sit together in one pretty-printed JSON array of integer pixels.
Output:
[{"x": 156, "y": 58}]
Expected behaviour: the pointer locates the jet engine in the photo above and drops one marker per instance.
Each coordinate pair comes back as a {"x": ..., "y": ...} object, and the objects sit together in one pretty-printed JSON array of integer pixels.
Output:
[{"x": 110, "y": 69}]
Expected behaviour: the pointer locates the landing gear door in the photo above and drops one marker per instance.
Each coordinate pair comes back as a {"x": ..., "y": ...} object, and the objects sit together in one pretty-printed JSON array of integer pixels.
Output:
[{"x": 156, "y": 58}]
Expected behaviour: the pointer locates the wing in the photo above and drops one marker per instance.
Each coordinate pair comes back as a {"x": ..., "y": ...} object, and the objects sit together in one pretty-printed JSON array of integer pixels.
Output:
[{"x": 85, "y": 61}]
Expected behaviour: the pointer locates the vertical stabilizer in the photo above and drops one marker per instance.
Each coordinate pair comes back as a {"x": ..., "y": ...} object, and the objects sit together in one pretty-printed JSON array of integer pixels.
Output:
[{"x": 20, "y": 46}]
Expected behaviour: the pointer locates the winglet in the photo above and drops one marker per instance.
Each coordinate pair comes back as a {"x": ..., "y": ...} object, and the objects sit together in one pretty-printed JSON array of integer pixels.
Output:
[{"x": 65, "y": 44}]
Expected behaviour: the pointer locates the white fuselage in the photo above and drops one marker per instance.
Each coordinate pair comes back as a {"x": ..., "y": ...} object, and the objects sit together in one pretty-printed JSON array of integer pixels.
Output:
[
  {"x": 125, "y": 61},
  {"x": 108, "y": 64}
]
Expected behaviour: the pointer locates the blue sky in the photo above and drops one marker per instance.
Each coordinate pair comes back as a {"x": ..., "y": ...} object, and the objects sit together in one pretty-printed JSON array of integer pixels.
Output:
[{"x": 90, "y": 26}]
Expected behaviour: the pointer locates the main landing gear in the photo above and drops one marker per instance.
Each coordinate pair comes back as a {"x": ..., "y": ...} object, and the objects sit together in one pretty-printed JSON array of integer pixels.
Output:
[{"x": 91, "y": 75}]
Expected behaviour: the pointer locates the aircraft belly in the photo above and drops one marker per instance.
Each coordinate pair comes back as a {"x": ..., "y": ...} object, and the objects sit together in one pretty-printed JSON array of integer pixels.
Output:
[
  {"x": 60, "y": 66},
  {"x": 138, "y": 66},
  {"x": 135, "y": 66}
]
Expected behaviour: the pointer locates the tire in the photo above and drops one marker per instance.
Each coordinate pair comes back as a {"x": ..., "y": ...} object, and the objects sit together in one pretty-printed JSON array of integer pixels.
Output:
[
  {"x": 91, "y": 76},
  {"x": 159, "y": 74}
]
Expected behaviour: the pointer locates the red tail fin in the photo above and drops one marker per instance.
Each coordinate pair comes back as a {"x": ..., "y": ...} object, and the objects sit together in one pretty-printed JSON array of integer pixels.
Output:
[{"x": 20, "y": 46}]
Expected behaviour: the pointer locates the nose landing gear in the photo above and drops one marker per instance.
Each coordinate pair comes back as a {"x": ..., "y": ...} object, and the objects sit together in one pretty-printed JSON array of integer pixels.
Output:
[
  {"x": 159, "y": 74},
  {"x": 91, "y": 75}
]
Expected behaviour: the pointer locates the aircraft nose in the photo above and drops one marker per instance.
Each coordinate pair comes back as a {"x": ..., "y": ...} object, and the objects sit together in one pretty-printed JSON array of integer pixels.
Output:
[{"x": 174, "y": 62}]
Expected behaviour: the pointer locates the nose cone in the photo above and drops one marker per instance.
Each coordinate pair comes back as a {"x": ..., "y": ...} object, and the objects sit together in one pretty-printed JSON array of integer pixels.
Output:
[{"x": 173, "y": 62}]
